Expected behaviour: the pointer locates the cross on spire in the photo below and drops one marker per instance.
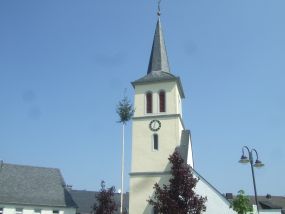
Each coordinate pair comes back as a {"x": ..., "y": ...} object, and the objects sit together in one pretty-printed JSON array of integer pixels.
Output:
[{"x": 158, "y": 7}]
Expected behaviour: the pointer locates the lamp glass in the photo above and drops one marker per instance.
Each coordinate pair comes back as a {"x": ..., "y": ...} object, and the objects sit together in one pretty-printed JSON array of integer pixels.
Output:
[
  {"x": 258, "y": 164},
  {"x": 244, "y": 159}
]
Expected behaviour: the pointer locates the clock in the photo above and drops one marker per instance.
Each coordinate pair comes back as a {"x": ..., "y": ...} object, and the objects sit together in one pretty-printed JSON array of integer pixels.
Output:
[{"x": 154, "y": 125}]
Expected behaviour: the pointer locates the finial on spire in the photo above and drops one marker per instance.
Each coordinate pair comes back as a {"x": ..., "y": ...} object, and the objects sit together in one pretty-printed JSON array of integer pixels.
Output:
[{"x": 158, "y": 7}]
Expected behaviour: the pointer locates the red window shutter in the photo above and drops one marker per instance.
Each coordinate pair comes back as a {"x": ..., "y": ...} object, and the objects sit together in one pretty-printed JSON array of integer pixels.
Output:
[
  {"x": 162, "y": 101},
  {"x": 149, "y": 102}
]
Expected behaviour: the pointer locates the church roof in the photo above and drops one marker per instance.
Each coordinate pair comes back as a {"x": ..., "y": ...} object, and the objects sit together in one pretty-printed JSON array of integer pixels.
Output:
[
  {"x": 158, "y": 67},
  {"x": 86, "y": 199},
  {"x": 271, "y": 202},
  {"x": 183, "y": 150},
  {"x": 29, "y": 185},
  {"x": 158, "y": 58}
]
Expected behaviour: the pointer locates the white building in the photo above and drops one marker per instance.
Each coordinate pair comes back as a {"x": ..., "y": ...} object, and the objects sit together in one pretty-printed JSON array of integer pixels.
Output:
[
  {"x": 33, "y": 190},
  {"x": 158, "y": 128}
]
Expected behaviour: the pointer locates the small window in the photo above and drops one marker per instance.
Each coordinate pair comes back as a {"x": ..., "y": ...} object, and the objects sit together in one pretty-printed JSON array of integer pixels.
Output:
[
  {"x": 155, "y": 142},
  {"x": 37, "y": 211},
  {"x": 55, "y": 211},
  {"x": 149, "y": 102},
  {"x": 1, "y": 210},
  {"x": 162, "y": 101},
  {"x": 19, "y": 210}
]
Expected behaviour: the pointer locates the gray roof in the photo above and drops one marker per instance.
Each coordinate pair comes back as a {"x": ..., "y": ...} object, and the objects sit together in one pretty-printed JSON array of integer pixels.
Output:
[
  {"x": 184, "y": 144},
  {"x": 157, "y": 76},
  {"x": 86, "y": 199},
  {"x": 158, "y": 58},
  {"x": 29, "y": 185},
  {"x": 265, "y": 202},
  {"x": 158, "y": 67},
  {"x": 272, "y": 202}
]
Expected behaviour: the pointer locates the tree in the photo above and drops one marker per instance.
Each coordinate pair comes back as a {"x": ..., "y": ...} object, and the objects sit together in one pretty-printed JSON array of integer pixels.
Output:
[
  {"x": 125, "y": 111},
  {"x": 105, "y": 200},
  {"x": 241, "y": 204},
  {"x": 178, "y": 196}
]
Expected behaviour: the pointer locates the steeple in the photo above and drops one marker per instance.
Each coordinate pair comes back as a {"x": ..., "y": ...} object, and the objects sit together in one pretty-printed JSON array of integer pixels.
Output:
[
  {"x": 158, "y": 67},
  {"x": 158, "y": 58}
]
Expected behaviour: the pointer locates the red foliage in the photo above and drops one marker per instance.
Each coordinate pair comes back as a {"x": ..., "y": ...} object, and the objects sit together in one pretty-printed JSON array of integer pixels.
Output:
[
  {"x": 178, "y": 197},
  {"x": 105, "y": 201}
]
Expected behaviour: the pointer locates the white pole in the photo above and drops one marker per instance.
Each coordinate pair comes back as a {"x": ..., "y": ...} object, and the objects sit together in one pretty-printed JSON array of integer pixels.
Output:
[{"x": 122, "y": 172}]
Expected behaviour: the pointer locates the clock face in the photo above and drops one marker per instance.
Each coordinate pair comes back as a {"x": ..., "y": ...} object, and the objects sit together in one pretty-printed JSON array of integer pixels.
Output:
[{"x": 154, "y": 125}]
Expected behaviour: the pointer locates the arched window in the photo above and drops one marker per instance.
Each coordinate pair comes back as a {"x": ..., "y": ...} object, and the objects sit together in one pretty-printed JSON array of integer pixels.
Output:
[
  {"x": 162, "y": 101},
  {"x": 148, "y": 102},
  {"x": 155, "y": 142}
]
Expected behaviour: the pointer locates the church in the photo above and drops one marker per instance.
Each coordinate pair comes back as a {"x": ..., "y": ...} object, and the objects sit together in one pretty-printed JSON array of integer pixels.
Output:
[{"x": 158, "y": 129}]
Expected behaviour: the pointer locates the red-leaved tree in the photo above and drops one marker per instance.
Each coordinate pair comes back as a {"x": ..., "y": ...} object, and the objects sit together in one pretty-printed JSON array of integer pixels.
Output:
[
  {"x": 105, "y": 200},
  {"x": 178, "y": 196}
]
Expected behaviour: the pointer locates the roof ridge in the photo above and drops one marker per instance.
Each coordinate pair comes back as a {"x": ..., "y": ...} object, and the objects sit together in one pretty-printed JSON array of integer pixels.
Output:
[
  {"x": 29, "y": 166},
  {"x": 210, "y": 185}
]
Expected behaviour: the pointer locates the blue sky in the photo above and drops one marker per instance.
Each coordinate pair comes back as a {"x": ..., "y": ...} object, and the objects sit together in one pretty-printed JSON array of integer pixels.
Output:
[{"x": 64, "y": 65}]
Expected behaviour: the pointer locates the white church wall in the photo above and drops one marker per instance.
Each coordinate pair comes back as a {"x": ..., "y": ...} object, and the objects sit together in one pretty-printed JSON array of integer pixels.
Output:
[
  {"x": 142, "y": 186},
  {"x": 148, "y": 165},
  {"x": 216, "y": 203},
  {"x": 147, "y": 159},
  {"x": 190, "y": 160}
]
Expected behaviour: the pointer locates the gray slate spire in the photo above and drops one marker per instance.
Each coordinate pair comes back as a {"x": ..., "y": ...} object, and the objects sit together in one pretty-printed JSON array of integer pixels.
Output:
[
  {"x": 158, "y": 59},
  {"x": 158, "y": 68}
]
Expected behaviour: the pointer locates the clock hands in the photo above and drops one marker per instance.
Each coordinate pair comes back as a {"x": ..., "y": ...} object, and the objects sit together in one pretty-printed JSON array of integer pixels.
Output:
[{"x": 154, "y": 125}]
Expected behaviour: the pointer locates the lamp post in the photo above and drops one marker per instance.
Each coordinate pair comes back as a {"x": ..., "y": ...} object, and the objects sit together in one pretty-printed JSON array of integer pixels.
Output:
[{"x": 258, "y": 164}]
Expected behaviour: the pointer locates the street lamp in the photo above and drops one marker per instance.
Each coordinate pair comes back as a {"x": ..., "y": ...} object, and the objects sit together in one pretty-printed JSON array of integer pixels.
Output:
[{"x": 258, "y": 164}]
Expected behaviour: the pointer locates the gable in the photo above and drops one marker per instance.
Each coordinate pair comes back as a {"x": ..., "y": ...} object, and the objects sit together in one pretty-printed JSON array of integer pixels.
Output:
[{"x": 30, "y": 185}]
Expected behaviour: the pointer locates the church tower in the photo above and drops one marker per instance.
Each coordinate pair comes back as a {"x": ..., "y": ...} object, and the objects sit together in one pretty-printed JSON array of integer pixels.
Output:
[{"x": 158, "y": 127}]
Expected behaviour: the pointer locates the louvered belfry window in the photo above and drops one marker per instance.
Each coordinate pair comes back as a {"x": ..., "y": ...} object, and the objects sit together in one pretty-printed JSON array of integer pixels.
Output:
[
  {"x": 149, "y": 102},
  {"x": 162, "y": 101}
]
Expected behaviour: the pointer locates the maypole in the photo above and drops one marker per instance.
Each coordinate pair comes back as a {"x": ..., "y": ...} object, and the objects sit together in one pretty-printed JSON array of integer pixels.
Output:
[{"x": 125, "y": 112}]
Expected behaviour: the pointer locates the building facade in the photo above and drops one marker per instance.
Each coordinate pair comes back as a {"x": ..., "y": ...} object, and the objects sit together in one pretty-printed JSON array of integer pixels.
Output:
[
  {"x": 158, "y": 129},
  {"x": 33, "y": 190}
]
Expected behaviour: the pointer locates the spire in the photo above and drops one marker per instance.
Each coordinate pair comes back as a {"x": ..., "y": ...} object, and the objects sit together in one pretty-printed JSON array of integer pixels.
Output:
[
  {"x": 158, "y": 59},
  {"x": 158, "y": 67}
]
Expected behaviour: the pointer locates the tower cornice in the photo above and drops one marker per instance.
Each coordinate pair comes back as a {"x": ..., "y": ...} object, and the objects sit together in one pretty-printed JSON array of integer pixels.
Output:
[{"x": 149, "y": 79}]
